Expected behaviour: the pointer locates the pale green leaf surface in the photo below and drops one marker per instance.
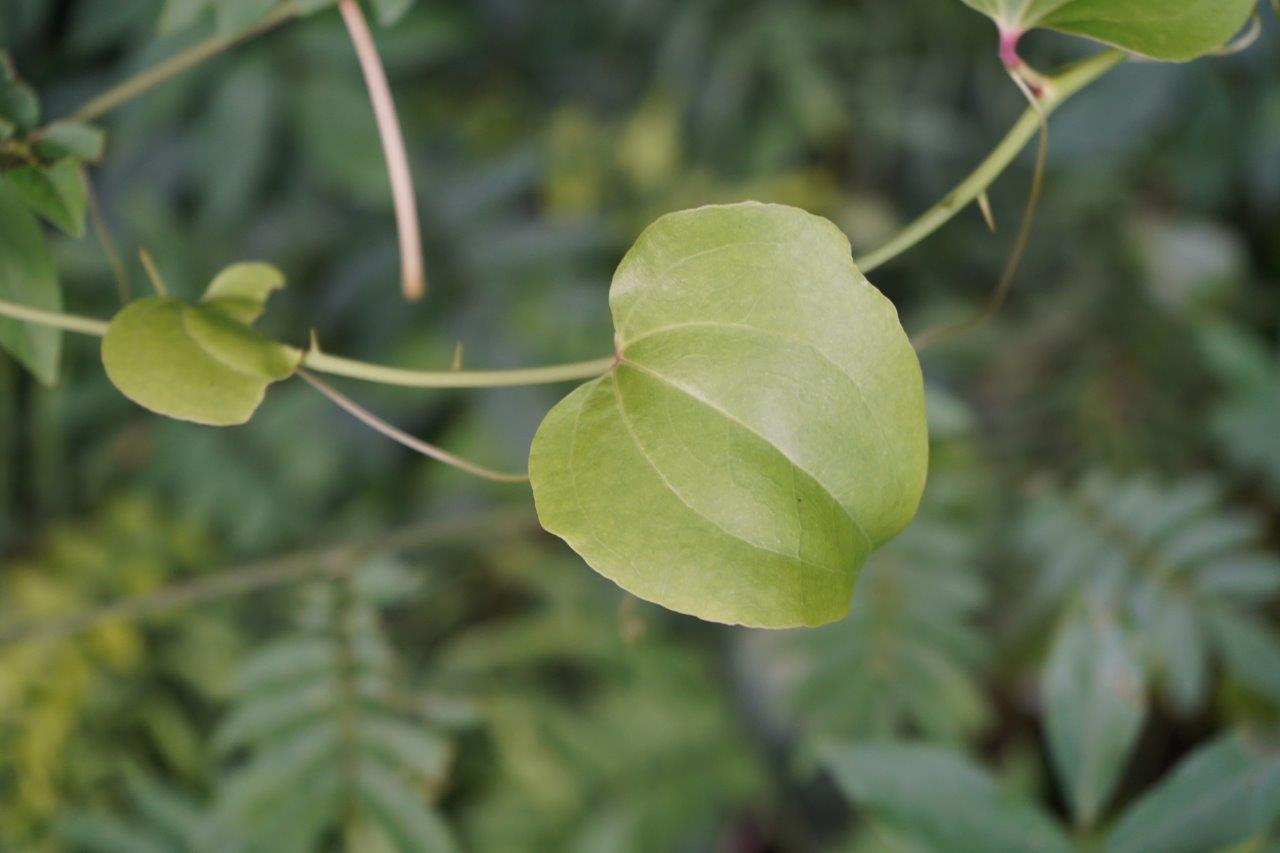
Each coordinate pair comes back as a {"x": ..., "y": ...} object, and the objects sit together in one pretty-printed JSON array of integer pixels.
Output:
[
  {"x": 762, "y": 431},
  {"x": 941, "y": 801},
  {"x": 241, "y": 290},
  {"x": 1095, "y": 703},
  {"x": 1174, "y": 30},
  {"x": 191, "y": 363},
  {"x": 1224, "y": 792},
  {"x": 28, "y": 277},
  {"x": 57, "y": 192}
]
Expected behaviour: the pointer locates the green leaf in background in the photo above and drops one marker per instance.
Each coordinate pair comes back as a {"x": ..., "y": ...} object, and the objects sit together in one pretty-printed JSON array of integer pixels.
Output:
[
  {"x": 1244, "y": 425},
  {"x": 391, "y": 11},
  {"x": 200, "y": 363},
  {"x": 761, "y": 432},
  {"x": 1174, "y": 562},
  {"x": 27, "y": 276},
  {"x": 1251, "y": 649},
  {"x": 18, "y": 102},
  {"x": 323, "y": 730},
  {"x": 1174, "y": 30},
  {"x": 236, "y": 16},
  {"x": 939, "y": 800},
  {"x": 1095, "y": 702},
  {"x": 57, "y": 192},
  {"x": 1225, "y": 792},
  {"x": 71, "y": 139}
]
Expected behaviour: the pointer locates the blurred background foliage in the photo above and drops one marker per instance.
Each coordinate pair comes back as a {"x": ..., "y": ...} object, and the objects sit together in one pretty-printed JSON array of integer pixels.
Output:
[{"x": 1074, "y": 644}]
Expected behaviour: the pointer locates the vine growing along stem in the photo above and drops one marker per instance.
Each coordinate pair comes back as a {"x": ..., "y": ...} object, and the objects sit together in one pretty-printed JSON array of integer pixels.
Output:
[{"x": 1064, "y": 86}]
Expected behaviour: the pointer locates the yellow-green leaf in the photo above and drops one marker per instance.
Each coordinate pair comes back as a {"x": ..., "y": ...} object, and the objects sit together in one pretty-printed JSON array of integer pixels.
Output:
[
  {"x": 240, "y": 291},
  {"x": 200, "y": 363},
  {"x": 760, "y": 433}
]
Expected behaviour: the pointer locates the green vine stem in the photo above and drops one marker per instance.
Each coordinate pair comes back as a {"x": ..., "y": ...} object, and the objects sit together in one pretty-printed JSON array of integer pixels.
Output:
[
  {"x": 53, "y": 319},
  {"x": 352, "y": 369},
  {"x": 994, "y": 302},
  {"x": 1059, "y": 87},
  {"x": 178, "y": 63}
]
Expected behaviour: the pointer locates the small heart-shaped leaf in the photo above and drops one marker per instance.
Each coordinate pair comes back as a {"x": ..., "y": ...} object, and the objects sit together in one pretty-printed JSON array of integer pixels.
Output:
[
  {"x": 240, "y": 291},
  {"x": 1174, "y": 30},
  {"x": 762, "y": 429},
  {"x": 200, "y": 363}
]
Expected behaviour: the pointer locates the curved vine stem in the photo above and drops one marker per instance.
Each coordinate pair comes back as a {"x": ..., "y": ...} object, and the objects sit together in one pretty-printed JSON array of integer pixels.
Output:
[
  {"x": 1001, "y": 291},
  {"x": 1062, "y": 86},
  {"x": 412, "y": 277},
  {"x": 149, "y": 78},
  {"x": 398, "y": 435}
]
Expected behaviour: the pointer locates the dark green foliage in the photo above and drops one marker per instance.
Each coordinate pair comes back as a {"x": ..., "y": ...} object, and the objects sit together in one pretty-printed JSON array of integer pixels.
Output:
[
  {"x": 323, "y": 736},
  {"x": 1106, "y": 648},
  {"x": 1183, "y": 576},
  {"x": 642, "y": 751}
]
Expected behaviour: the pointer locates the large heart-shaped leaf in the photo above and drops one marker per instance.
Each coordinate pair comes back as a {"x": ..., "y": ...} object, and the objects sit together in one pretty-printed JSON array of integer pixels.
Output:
[
  {"x": 762, "y": 429},
  {"x": 1173, "y": 30},
  {"x": 200, "y": 363}
]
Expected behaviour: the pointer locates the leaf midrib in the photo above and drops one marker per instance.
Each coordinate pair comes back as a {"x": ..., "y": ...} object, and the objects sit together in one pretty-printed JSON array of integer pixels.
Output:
[{"x": 731, "y": 418}]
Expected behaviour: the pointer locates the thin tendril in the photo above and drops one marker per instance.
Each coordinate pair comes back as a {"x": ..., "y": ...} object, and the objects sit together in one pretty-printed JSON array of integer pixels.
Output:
[
  {"x": 103, "y": 234},
  {"x": 995, "y": 301},
  {"x": 395, "y": 434}
]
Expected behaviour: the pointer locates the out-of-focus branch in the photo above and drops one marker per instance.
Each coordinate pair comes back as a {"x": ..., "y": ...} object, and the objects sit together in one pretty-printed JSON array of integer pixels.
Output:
[
  {"x": 149, "y": 78},
  {"x": 333, "y": 561}
]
